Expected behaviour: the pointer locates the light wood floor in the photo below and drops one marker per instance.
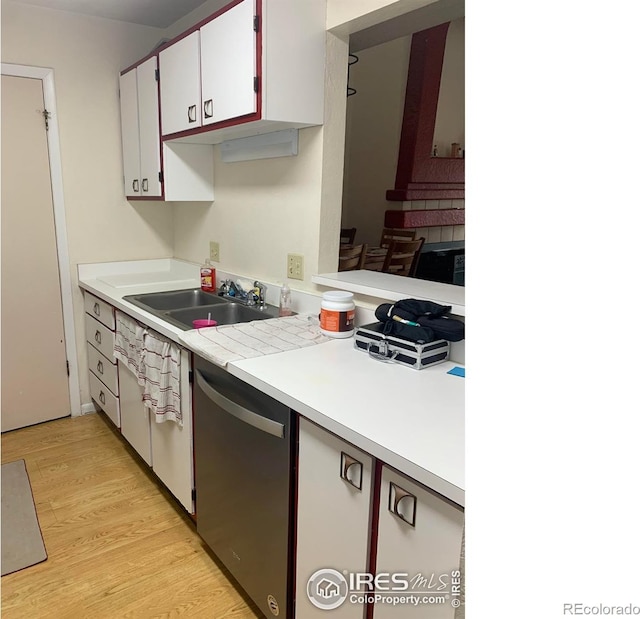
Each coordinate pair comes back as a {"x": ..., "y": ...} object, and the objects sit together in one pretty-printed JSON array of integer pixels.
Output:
[{"x": 118, "y": 544}]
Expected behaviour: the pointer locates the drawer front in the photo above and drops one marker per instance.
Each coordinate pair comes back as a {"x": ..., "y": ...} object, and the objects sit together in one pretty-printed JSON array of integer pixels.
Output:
[
  {"x": 104, "y": 399},
  {"x": 101, "y": 311},
  {"x": 99, "y": 337},
  {"x": 104, "y": 369}
]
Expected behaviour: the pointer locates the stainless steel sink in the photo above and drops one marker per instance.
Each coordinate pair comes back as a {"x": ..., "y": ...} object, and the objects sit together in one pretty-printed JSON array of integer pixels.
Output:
[
  {"x": 227, "y": 314},
  {"x": 182, "y": 307},
  {"x": 174, "y": 299}
]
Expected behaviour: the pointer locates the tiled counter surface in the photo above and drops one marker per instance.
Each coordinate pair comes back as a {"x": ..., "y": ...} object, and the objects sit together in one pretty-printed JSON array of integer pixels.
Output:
[{"x": 411, "y": 419}]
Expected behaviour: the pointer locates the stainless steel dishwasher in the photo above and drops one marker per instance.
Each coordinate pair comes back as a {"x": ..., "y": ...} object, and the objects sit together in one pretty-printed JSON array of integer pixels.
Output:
[{"x": 243, "y": 458}]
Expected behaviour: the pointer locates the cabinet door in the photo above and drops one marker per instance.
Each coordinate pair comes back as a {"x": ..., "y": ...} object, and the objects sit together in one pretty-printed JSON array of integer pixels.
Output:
[
  {"x": 419, "y": 534},
  {"x": 130, "y": 132},
  {"x": 334, "y": 495},
  {"x": 180, "y": 85},
  {"x": 134, "y": 415},
  {"x": 149, "y": 123},
  {"x": 172, "y": 444},
  {"x": 228, "y": 64}
]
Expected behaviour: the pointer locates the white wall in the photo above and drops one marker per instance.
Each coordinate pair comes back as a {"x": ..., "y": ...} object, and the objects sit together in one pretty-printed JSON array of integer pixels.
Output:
[
  {"x": 374, "y": 124},
  {"x": 87, "y": 55},
  {"x": 450, "y": 118}
]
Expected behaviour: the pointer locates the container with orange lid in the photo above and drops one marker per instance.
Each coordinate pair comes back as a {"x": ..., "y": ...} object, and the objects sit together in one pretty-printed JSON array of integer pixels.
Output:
[{"x": 337, "y": 313}]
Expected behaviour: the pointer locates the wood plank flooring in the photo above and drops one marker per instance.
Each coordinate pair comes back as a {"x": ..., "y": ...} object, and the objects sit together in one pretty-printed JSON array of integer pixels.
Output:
[{"x": 118, "y": 543}]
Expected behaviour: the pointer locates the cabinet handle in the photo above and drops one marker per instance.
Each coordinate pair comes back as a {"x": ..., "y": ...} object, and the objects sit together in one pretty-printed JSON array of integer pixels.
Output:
[
  {"x": 351, "y": 470},
  {"x": 96, "y": 309},
  {"x": 191, "y": 113},
  {"x": 102, "y": 398},
  {"x": 145, "y": 184},
  {"x": 100, "y": 367},
  {"x": 98, "y": 337},
  {"x": 136, "y": 185},
  {"x": 402, "y": 504},
  {"x": 208, "y": 108}
]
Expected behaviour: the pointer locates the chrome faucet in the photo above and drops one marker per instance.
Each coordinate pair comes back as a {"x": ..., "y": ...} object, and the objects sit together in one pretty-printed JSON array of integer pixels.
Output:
[
  {"x": 262, "y": 291},
  {"x": 232, "y": 292}
]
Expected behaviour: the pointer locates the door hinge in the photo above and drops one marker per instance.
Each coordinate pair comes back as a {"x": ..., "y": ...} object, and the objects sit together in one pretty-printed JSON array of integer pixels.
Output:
[
  {"x": 161, "y": 176},
  {"x": 157, "y": 75},
  {"x": 256, "y": 23},
  {"x": 193, "y": 494},
  {"x": 256, "y": 84},
  {"x": 68, "y": 373},
  {"x": 47, "y": 115},
  {"x": 191, "y": 377}
]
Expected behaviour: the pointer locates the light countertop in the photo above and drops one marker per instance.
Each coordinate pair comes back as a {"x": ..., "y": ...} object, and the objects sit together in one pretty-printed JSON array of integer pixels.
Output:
[
  {"x": 412, "y": 420},
  {"x": 394, "y": 287}
]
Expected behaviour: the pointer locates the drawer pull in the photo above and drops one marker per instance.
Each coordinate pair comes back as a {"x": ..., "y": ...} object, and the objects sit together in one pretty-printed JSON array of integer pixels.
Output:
[
  {"x": 145, "y": 184},
  {"x": 96, "y": 309},
  {"x": 100, "y": 367},
  {"x": 191, "y": 113},
  {"x": 102, "y": 398},
  {"x": 98, "y": 337},
  {"x": 402, "y": 504},
  {"x": 208, "y": 108},
  {"x": 136, "y": 185},
  {"x": 351, "y": 470}
]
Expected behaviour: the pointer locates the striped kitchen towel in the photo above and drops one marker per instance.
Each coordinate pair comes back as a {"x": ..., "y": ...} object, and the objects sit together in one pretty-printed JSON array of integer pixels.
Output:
[
  {"x": 159, "y": 375},
  {"x": 127, "y": 345}
]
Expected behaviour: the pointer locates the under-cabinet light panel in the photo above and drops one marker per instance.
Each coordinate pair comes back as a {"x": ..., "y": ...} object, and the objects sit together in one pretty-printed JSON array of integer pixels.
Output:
[{"x": 264, "y": 146}]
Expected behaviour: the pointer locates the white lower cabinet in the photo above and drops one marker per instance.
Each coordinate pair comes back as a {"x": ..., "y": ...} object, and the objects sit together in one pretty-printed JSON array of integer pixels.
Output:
[
  {"x": 354, "y": 512},
  {"x": 334, "y": 497},
  {"x": 419, "y": 534},
  {"x": 134, "y": 415},
  {"x": 172, "y": 445},
  {"x": 166, "y": 447}
]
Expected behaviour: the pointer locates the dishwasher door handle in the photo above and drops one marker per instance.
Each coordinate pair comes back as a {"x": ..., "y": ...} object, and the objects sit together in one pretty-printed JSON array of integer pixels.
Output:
[{"x": 239, "y": 412}]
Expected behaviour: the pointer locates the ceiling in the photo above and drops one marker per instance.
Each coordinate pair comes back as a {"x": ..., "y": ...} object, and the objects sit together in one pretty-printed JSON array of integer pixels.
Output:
[
  {"x": 157, "y": 13},
  {"x": 164, "y": 13}
]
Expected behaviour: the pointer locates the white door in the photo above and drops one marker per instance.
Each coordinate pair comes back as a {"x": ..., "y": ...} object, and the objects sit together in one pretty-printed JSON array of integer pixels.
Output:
[
  {"x": 180, "y": 85},
  {"x": 130, "y": 132},
  {"x": 228, "y": 60},
  {"x": 419, "y": 533},
  {"x": 35, "y": 385},
  {"x": 149, "y": 128},
  {"x": 334, "y": 496}
]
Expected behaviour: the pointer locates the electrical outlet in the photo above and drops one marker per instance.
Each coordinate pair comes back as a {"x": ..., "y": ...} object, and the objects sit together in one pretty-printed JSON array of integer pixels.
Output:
[
  {"x": 295, "y": 266},
  {"x": 214, "y": 251}
]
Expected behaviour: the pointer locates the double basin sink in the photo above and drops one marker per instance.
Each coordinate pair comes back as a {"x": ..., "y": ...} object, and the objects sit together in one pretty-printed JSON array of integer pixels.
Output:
[{"x": 182, "y": 307}]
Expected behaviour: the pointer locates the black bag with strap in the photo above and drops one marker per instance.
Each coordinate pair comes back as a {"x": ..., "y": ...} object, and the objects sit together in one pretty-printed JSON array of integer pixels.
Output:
[{"x": 420, "y": 321}]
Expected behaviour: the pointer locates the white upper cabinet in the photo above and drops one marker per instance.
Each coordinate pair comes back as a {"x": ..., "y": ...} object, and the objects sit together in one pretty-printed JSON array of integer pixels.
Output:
[
  {"x": 228, "y": 64},
  {"x": 255, "y": 67},
  {"x": 185, "y": 172},
  {"x": 180, "y": 99},
  {"x": 130, "y": 132},
  {"x": 140, "y": 121},
  {"x": 149, "y": 128}
]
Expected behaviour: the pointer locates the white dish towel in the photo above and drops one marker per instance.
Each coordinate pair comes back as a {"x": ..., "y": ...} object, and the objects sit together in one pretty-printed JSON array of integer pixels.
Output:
[
  {"x": 159, "y": 375},
  {"x": 155, "y": 360},
  {"x": 127, "y": 347}
]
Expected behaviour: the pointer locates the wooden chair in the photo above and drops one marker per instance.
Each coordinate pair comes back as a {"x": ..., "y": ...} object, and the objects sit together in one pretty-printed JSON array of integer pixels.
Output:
[
  {"x": 352, "y": 258},
  {"x": 396, "y": 234},
  {"x": 347, "y": 236},
  {"x": 402, "y": 257}
]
